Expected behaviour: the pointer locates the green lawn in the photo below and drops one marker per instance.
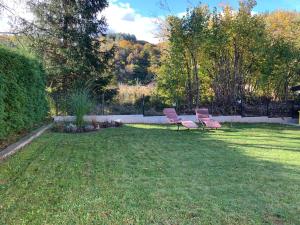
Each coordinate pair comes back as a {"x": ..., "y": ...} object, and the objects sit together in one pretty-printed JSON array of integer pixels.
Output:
[{"x": 139, "y": 174}]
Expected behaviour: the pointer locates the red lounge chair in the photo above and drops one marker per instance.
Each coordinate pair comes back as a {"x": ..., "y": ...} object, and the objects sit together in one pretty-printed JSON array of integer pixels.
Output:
[
  {"x": 173, "y": 118},
  {"x": 202, "y": 116}
]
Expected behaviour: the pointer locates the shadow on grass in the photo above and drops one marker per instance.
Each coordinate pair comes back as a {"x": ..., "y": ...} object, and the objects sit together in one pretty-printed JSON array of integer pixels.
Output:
[
  {"x": 268, "y": 183},
  {"x": 146, "y": 175}
]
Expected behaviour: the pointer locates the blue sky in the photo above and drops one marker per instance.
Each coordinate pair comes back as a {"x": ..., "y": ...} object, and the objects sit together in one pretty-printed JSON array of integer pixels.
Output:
[
  {"x": 141, "y": 17},
  {"x": 152, "y": 7}
]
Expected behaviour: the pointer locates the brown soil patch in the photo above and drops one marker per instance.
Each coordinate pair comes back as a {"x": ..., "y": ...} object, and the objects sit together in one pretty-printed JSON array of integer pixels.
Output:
[
  {"x": 2, "y": 181},
  {"x": 274, "y": 219}
]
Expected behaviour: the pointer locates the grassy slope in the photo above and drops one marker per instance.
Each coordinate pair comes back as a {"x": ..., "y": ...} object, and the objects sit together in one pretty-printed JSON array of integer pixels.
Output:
[{"x": 249, "y": 174}]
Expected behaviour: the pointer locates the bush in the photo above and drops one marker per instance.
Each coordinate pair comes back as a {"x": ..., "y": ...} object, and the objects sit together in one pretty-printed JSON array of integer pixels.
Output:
[
  {"x": 80, "y": 106},
  {"x": 22, "y": 92}
]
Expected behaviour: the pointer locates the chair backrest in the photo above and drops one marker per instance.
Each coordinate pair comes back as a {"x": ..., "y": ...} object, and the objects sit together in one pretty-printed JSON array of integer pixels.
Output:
[
  {"x": 171, "y": 114},
  {"x": 202, "y": 113}
]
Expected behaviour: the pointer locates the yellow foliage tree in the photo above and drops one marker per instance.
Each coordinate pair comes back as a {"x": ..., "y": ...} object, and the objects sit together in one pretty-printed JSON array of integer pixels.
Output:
[
  {"x": 284, "y": 24},
  {"x": 125, "y": 44}
]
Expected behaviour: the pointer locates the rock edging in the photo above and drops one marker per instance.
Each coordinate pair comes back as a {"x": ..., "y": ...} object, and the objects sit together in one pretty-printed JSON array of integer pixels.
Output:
[{"x": 14, "y": 148}]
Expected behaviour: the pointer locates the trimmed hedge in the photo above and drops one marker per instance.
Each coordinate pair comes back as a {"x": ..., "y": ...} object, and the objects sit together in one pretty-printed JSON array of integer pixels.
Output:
[{"x": 22, "y": 92}]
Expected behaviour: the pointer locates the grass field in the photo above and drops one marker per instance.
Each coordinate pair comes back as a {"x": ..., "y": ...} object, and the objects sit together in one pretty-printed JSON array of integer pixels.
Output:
[{"x": 139, "y": 174}]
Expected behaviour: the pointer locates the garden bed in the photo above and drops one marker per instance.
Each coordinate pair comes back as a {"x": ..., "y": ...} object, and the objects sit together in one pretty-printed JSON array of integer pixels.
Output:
[{"x": 70, "y": 127}]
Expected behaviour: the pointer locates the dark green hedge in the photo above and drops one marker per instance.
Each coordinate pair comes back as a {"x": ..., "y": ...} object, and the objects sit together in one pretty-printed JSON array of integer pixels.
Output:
[{"x": 22, "y": 92}]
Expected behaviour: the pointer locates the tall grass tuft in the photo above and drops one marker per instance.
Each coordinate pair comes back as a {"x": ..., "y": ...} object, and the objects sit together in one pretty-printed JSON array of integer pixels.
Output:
[{"x": 80, "y": 106}]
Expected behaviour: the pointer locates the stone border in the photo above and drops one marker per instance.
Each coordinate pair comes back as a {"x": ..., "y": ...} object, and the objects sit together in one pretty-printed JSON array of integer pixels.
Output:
[{"x": 14, "y": 148}]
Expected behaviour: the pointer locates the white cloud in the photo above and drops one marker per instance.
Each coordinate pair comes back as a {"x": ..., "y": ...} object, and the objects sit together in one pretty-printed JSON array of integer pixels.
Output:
[
  {"x": 182, "y": 14},
  {"x": 121, "y": 17},
  {"x": 8, "y": 15}
]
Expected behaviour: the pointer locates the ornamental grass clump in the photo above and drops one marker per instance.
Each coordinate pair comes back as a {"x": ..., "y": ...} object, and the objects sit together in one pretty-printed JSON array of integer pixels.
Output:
[{"x": 80, "y": 106}]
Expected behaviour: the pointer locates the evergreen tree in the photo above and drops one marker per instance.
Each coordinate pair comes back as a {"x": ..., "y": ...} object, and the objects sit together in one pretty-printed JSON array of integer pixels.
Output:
[{"x": 68, "y": 35}]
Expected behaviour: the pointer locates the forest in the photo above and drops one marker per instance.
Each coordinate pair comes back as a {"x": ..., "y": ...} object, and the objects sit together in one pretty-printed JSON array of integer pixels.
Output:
[{"x": 134, "y": 61}]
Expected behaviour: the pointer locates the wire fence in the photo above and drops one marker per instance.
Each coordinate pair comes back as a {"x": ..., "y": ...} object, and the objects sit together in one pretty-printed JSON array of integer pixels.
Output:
[{"x": 153, "y": 106}]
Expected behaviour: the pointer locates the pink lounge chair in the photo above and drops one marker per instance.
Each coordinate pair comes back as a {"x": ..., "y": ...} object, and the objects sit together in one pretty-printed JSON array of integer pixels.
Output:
[
  {"x": 202, "y": 116},
  {"x": 173, "y": 118}
]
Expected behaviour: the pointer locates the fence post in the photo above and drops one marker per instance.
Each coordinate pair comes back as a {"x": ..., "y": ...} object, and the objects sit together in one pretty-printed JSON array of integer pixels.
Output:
[
  {"x": 268, "y": 103},
  {"x": 143, "y": 105},
  {"x": 56, "y": 108},
  {"x": 242, "y": 108},
  {"x": 103, "y": 104}
]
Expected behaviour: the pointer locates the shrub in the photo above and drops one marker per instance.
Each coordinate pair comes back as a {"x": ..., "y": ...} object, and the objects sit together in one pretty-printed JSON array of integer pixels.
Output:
[
  {"x": 80, "y": 106},
  {"x": 22, "y": 92}
]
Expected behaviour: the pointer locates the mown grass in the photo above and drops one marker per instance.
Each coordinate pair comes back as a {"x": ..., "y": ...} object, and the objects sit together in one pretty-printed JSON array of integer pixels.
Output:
[{"x": 139, "y": 174}]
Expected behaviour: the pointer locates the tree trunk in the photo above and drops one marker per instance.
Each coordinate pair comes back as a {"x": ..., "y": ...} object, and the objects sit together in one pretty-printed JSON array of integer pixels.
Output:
[
  {"x": 286, "y": 87},
  {"x": 196, "y": 75},
  {"x": 236, "y": 80},
  {"x": 189, "y": 86}
]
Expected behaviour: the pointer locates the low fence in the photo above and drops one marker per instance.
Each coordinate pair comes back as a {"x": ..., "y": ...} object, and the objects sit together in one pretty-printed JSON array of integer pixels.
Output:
[
  {"x": 271, "y": 109},
  {"x": 153, "y": 106},
  {"x": 140, "y": 119}
]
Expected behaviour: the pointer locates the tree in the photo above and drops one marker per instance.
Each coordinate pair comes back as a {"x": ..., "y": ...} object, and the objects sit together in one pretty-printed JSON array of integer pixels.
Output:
[
  {"x": 125, "y": 44},
  {"x": 229, "y": 56},
  {"x": 283, "y": 55},
  {"x": 134, "y": 61},
  {"x": 235, "y": 51},
  {"x": 122, "y": 36},
  {"x": 284, "y": 24},
  {"x": 174, "y": 79},
  {"x": 194, "y": 26},
  {"x": 67, "y": 36},
  {"x": 186, "y": 38},
  {"x": 281, "y": 69}
]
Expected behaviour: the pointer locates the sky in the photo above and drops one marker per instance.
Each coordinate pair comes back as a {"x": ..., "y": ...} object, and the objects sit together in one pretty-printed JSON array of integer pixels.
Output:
[
  {"x": 141, "y": 17},
  {"x": 153, "y": 7}
]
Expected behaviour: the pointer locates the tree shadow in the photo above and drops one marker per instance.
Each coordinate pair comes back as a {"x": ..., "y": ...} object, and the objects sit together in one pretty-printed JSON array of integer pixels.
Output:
[
  {"x": 221, "y": 174},
  {"x": 268, "y": 147}
]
